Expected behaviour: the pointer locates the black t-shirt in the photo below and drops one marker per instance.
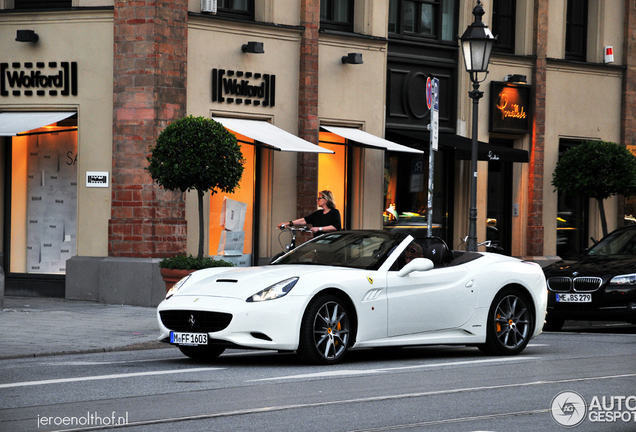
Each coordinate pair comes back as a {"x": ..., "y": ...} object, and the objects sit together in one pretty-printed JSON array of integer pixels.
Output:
[{"x": 320, "y": 219}]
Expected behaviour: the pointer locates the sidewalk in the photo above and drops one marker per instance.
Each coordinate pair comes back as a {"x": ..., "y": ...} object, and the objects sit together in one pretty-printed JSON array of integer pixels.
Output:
[{"x": 35, "y": 326}]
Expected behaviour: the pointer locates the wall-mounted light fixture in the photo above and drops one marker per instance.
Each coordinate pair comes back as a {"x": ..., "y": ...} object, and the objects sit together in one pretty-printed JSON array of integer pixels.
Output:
[
  {"x": 352, "y": 58},
  {"x": 515, "y": 78},
  {"x": 253, "y": 48},
  {"x": 27, "y": 36}
]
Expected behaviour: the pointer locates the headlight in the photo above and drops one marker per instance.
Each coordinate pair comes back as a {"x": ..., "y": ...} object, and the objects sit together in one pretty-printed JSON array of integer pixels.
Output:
[
  {"x": 628, "y": 279},
  {"x": 275, "y": 291},
  {"x": 176, "y": 286}
]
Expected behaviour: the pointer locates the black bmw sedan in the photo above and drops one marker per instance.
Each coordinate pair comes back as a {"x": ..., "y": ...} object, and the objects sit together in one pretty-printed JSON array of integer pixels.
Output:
[{"x": 600, "y": 286}]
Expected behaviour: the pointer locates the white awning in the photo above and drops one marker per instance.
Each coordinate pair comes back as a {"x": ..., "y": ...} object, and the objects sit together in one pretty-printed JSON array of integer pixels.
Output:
[
  {"x": 368, "y": 139},
  {"x": 270, "y": 136},
  {"x": 12, "y": 123}
]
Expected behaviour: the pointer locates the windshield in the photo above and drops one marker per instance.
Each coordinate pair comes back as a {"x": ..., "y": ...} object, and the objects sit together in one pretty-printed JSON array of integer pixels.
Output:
[
  {"x": 620, "y": 242},
  {"x": 365, "y": 250}
]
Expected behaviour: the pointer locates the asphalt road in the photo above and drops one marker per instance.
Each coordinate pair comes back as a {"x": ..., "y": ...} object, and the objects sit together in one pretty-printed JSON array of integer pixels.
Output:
[{"x": 438, "y": 388}]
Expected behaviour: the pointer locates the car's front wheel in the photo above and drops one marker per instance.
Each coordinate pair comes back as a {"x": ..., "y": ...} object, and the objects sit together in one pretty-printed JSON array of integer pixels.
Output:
[
  {"x": 202, "y": 352},
  {"x": 325, "y": 332},
  {"x": 509, "y": 325}
]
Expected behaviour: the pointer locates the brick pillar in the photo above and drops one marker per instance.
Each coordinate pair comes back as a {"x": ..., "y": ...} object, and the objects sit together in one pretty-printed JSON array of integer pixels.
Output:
[
  {"x": 150, "y": 59},
  {"x": 535, "y": 229},
  {"x": 308, "y": 126},
  {"x": 628, "y": 115}
]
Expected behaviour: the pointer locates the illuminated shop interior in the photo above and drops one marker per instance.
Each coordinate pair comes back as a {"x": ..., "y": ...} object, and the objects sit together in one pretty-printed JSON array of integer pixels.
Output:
[{"x": 43, "y": 201}]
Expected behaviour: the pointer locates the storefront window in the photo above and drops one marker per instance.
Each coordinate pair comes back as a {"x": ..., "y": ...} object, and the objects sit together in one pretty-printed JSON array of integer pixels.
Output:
[
  {"x": 231, "y": 224},
  {"x": 630, "y": 202},
  {"x": 572, "y": 218},
  {"x": 332, "y": 170},
  {"x": 406, "y": 193},
  {"x": 43, "y": 200}
]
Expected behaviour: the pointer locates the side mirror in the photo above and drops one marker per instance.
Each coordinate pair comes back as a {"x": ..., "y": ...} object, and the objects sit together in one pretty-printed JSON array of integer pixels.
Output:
[{"x": 418, "y": 264}]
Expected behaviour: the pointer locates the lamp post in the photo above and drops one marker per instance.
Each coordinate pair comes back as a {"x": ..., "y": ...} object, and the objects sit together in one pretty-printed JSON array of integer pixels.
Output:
[{"x": 477, "y": 43}]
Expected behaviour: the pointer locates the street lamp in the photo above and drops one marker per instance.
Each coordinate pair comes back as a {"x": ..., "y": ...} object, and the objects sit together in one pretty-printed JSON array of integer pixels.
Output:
[{"x": 477, "y": 43}]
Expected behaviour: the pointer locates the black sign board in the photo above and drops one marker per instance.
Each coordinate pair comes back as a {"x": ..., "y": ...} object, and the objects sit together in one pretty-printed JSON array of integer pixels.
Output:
[
  {"x": 40, "y": 78},
  {"x": 510, "y": 108},
  {"x": 243, "y": 87}
]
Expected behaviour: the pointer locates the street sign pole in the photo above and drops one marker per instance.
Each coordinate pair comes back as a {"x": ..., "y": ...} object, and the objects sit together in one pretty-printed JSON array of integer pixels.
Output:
[{"x": 434, "y": 133}]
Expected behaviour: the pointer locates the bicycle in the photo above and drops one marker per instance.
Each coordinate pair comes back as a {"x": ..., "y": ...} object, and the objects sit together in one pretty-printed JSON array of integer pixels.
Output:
[
  {"x": 292, "y": 244},
  {"x": 463, "y": 243}
]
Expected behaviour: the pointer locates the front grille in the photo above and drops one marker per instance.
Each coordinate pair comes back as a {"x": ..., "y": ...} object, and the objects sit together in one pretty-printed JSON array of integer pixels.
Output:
[
  {"x": 195, "y": 321},
  {"x": 580, "y": 284},
  {"x": 587, "y": 284},
  {"x": 560, "y": 284}
]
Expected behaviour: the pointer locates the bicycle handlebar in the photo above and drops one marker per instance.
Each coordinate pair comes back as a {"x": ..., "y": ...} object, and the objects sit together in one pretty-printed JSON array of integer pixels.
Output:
[
  {"x": 487, "y": 243},
  {"x": 293, "y": 228}
]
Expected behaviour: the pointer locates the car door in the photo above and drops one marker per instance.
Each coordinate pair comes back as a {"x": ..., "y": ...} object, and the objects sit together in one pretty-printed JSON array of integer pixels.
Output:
[{"x": 424, "y": 301}]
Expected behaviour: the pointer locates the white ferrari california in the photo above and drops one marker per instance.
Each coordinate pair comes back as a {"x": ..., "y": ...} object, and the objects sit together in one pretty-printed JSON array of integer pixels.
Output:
[{"x": 354, "y": 289}]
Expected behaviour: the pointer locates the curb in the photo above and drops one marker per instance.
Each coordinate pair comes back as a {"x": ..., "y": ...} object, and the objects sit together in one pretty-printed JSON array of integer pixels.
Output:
[{"x": 138, "y": 346}]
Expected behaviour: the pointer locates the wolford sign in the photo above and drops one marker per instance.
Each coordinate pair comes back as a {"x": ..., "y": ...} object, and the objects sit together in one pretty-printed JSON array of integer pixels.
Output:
[
  {"x": 509, "y": 107},
  {"x": 243, "y": 87},
  {"x": 28, "y": 79}
]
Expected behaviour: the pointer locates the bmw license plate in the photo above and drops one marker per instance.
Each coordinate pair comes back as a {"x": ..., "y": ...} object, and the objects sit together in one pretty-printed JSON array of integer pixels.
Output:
[
  {"x": 191, "y": 339},
  {"x": 574, "y": 298}
]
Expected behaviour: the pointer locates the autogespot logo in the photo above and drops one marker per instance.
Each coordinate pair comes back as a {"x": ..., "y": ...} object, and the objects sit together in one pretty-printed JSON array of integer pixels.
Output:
[{"x": 568, "y": 409}]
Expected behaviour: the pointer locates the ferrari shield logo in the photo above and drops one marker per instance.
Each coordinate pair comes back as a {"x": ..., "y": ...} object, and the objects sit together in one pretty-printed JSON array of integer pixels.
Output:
[{"x": 370, "y": 279}]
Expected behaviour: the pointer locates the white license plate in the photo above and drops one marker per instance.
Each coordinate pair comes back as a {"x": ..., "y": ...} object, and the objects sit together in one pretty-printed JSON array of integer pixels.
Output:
[
  {"x": 574, "y": 298},
  {"x": 192, "y": 339}
]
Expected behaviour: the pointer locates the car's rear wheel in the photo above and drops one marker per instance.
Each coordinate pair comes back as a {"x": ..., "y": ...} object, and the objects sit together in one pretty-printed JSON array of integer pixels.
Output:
[
  {"x": 509, "y": 325},
  {"x": 201, "y": 352},
  {"x": 553, "y": 324},
  {"x": 325, "y": 332}
]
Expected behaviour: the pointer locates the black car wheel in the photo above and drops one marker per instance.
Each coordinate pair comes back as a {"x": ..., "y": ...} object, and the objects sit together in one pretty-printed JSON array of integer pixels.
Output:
[
  {"x": 509, "y": 324},
  {"x": 201, "y": 352},
  {"x": 325, "y": 331}
]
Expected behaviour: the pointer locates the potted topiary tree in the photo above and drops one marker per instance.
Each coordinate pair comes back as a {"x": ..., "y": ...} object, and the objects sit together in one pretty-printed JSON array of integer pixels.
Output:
[{"x": 195, "y": 153}]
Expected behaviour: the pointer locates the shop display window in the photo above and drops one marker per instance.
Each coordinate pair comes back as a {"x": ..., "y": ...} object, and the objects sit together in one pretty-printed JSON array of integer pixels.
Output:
[
  {"x": 332, "y": 171},
  {"x": 406, "y": 193},
  {"x": 43, "y": 200},
  {"x": 231, "y": 224}
]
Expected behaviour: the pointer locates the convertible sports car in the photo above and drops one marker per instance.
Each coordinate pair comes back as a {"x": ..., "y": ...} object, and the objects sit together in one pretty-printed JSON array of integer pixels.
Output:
[{"x": 358, "y": 289}]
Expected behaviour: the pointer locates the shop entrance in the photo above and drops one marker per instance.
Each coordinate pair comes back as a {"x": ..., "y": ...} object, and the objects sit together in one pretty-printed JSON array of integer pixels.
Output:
[{"x": 499, "y": 210}]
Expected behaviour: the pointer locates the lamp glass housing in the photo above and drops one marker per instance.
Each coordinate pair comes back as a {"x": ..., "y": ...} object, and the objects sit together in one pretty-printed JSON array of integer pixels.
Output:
[
  {"x": 477, "y": 54},
  {"x": 477, "y": 42}
]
